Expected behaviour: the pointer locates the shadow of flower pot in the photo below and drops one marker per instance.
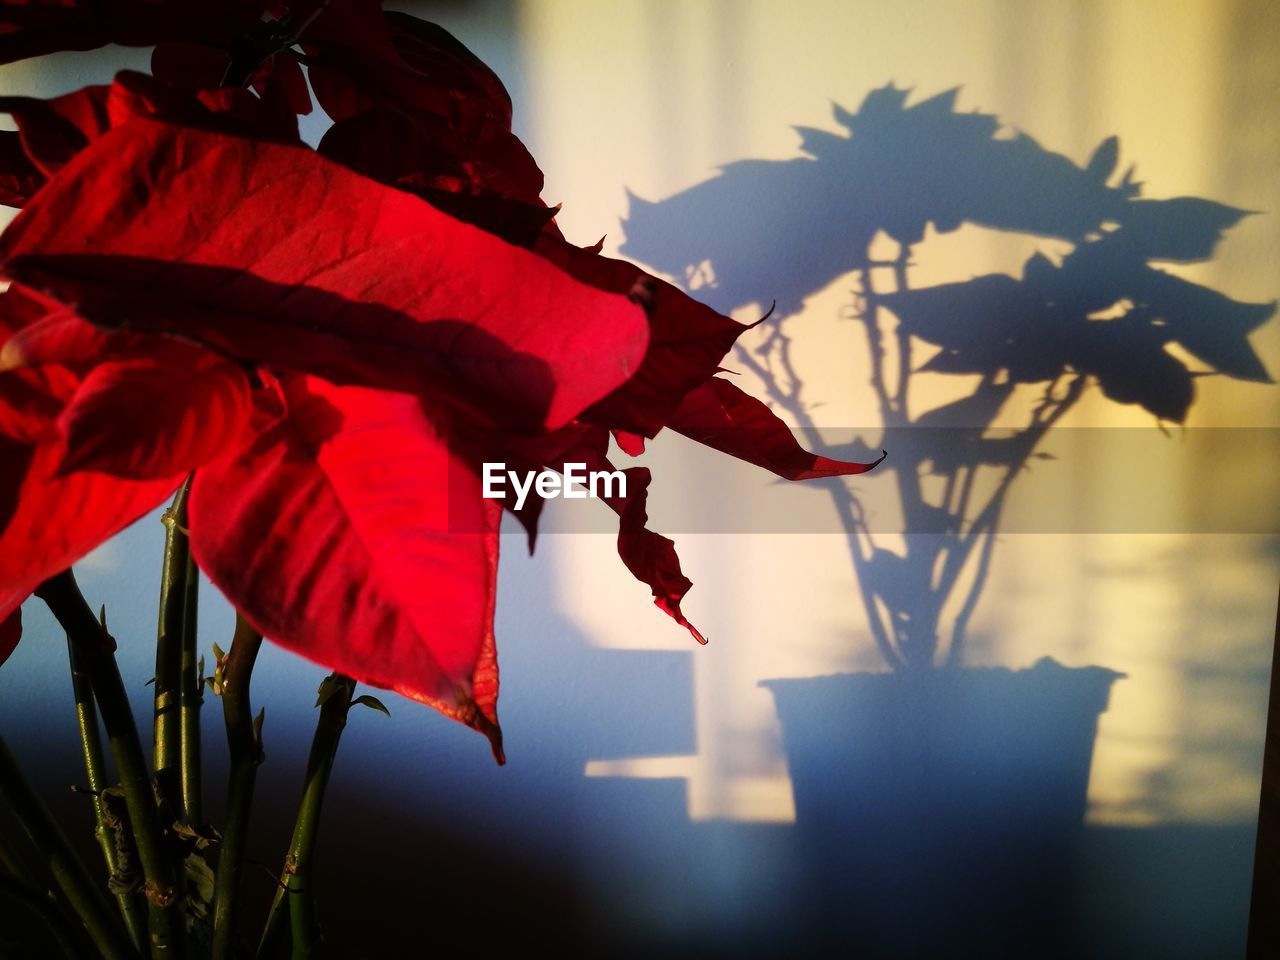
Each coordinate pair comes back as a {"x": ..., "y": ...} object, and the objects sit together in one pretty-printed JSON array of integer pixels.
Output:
[{"x": 942, "y": 807}]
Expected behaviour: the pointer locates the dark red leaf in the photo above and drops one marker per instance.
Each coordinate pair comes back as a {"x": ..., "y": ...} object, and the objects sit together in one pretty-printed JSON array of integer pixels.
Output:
[
  {"x": 427, "y": 47},
  {"x": 687, "y": 339},
  {"x": 721, "y": 416},
  {"x": 355, "y": 24},
  {"x": 19, "y": 177},
  {"x": 387, "y": 146},
  {"x": 194, "y": 68},
  {"x": 516, "y": 222},
  {"x": 649, "y": 556},
  {"x": 30, "y": 29},
  {"x": 54, "y": 131},
  {"x": 189, "y": 67},
  {"x": 419, "y": 72},
  {"x": 284, "y": 78},
  {"x": 427, "y": 158}
]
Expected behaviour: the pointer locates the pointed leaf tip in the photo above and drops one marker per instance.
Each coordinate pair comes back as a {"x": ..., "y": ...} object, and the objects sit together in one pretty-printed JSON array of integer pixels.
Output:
[
  {"x": 697, "y": 634},
  {"x": 479, "y": 721},
  {"x": 720, "y": 415},
  {"x": 773, "y": 305}
]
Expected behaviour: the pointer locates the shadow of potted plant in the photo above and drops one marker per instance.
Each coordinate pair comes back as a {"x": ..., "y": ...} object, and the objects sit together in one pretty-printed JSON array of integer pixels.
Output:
[{"x": 931, "y": 786}]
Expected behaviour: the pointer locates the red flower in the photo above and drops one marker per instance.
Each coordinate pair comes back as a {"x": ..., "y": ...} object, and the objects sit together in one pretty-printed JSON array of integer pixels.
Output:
[{"x": 332, "y": 347}]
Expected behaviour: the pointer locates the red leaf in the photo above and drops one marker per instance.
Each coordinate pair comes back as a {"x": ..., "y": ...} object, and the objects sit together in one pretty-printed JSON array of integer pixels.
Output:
[
  {"x": 363, "y": 58},
  {"x": 19, "y": 178},
  {"x": 428, "y": 159},
  {"x": 49, "y": 520},
  {"x": 190, "y": 67},
  {"x": 632, "y": 444},
  {"x": 134, "y": 405},
  {"x": 388, "y": 146},
  {"x": 54, "y": 131},
  {"x": 50, "y": 517},
  {"x": 284, "y": 78},
  {"x": 649, "y": 556},
  {"x": 188, "y": 87},
  {"x": 432, "y": 51},
  {"x": 30, "y": 398},
  {"x": 687, "y": 339},
  {"x": 349, "y": 533},
  {"x": 275, "y": 255},
  {"x": 157, "y": 414},
  {"x": 30, "y": 29},
  {"x": 31, "y": 401},
  {"x": 721, "y": 416},
  {"x": 516, "y": 222},
  {"x": 21, "y": 306},
  {"x": 419, "y": 72},
  {"x": 61, "y": 337},
  {"x": 355, "y": 24}
]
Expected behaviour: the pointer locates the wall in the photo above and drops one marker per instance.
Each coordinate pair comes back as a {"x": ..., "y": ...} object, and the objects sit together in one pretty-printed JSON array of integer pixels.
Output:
[{"x": 648, "y": 798}]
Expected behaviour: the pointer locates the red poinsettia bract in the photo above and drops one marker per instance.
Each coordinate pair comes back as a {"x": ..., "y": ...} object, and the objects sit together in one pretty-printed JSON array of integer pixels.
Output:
[{"x": 332, "y": 340}]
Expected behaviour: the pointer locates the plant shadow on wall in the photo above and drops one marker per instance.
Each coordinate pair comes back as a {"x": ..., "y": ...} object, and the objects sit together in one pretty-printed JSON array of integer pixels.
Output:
[{"x": 948, "y": 810}]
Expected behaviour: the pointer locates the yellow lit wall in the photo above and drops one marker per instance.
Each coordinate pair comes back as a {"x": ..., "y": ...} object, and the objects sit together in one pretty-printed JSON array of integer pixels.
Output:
[{"x": 653, "y": 96}]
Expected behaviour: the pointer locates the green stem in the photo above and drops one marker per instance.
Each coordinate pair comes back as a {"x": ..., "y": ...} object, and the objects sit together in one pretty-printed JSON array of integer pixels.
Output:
[
  {"x": 246, "y": 755},
  {"x": 295, "y": 894},
  {"x": 131, "y": 906},
  {"x": 63, "y": 597},
  {"x": 190, "y": 699},
  {"x": 173, "y": 593},
  {"x": 86, "y": 898}
]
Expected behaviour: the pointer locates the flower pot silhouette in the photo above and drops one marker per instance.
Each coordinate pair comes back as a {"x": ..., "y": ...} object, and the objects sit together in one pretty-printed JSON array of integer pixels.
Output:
[{"x": 942, "y": 806}]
